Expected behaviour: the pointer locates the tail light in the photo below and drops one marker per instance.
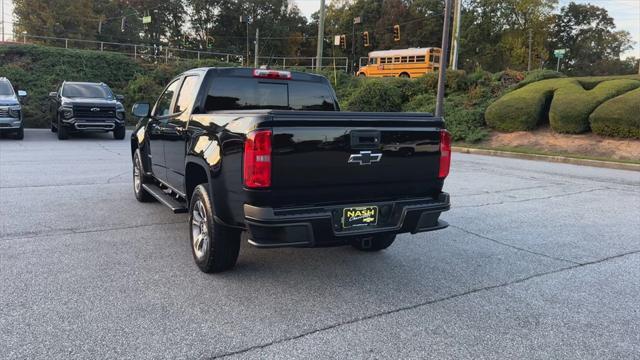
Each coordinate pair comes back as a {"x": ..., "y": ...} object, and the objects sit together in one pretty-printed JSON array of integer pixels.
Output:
[
  {"x": 257, "y": 159},
  {"x": 272, "y": 74},
  {"x": 445, "y": 154}
]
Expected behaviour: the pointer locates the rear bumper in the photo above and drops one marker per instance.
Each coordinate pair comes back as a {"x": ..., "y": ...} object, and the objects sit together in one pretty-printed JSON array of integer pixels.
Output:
[{"x": 321, "y": 226}]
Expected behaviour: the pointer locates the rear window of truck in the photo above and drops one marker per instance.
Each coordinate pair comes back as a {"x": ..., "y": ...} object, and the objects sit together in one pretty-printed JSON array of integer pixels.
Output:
[{"x": 236, "y": 93}]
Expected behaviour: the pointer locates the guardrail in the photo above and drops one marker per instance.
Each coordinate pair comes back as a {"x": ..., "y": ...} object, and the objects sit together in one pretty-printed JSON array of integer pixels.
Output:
[{"x": 149, "y": 53}]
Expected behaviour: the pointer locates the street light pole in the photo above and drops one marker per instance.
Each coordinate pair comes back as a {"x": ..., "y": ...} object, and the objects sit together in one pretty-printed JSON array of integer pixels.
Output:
[
  {"x": 320, "y": 37},
  {"x": 443, "y": 58}
]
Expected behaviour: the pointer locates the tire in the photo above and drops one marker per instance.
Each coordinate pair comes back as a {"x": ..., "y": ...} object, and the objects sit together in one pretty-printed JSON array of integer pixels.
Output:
[
  {"x": 374, "y": 243},
  {"x": 119, "y": 133},
  {"x": 214, "y": 247},
  {"x": 139, "y": 178},
  {"x": 404, "y": 75},
  {"x": 362, "y": 75},
  {"x": 63, "y": 133},
  {"x": 20, "y": 133}
]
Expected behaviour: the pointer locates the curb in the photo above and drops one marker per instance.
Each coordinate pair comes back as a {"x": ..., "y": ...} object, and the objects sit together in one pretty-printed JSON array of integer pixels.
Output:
[{"x": 550, "y": 158}]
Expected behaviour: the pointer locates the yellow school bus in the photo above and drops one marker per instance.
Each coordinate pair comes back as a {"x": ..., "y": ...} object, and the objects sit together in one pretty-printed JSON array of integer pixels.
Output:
[{"x": 413, "y": 62}]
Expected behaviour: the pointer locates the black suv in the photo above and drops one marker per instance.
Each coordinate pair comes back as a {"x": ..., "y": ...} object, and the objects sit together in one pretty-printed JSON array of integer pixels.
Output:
[{"x": 83, "y": 106}]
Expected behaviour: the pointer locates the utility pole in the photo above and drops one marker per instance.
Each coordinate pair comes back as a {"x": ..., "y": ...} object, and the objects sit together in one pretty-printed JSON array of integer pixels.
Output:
[
  {"x": 255, "y": 56},
  {"x": 443, "y": 59},
  {"x": 320, "y": 37},
  {"x": 456, "y": 34},
  {"x": 245, "y": 19},
  {"x": 530, "y": 42}
]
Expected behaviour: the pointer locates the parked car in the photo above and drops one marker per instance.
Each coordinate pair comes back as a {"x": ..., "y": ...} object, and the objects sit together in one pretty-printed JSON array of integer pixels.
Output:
[
  {"x": 83, "y": 107},
  {"x": 11, "y": 109},
  {"x": 269, "y": 153}
]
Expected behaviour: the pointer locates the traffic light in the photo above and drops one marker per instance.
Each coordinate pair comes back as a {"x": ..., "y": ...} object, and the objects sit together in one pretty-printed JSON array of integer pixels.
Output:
[
  {"x": 343, "y": 41},
  {"x": 365, "y": 39},
  {"x": 396, "y": 32}
]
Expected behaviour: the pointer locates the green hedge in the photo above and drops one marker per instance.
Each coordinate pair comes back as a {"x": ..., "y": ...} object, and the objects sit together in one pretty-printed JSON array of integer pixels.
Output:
[
  {"x": 521, "y": 110},
  {"x": 572, "y": 103},
  {"x": 619, "y": 117},
  {"x": 565, "y": 103}
]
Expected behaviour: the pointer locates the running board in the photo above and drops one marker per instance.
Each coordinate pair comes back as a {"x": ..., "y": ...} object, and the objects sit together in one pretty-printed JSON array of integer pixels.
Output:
[{"x": 172, "y": 203}]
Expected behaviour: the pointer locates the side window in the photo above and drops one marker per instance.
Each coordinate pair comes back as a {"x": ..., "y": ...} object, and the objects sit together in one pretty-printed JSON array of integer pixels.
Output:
[
  {"x": 187, "y": 94},
  {"x": 163, "y": 107}
]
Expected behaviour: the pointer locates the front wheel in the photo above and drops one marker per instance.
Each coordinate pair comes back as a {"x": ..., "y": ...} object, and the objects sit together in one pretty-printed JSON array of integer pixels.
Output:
[
  {"x": 20, "y": 133},
  {"x": 214, "y": 246},
  {"x": 119, "y": 132},
  {"x": 374, "y": 243},
  {"x": 63, "y": 132}
]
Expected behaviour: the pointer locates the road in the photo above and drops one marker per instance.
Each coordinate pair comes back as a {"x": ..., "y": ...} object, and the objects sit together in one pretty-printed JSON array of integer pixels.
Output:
[{"x": 542, "y": 260}]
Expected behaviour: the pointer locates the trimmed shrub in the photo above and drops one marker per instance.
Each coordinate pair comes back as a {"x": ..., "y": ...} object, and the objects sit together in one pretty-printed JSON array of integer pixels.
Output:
[
  {"x": 619, "y": 117},
  {"x": 572, "y": 104},
  {"x": 521, "y": 110},
  {"x": 564, "y": 103},
  {"x": 538, "y": 75},
  {"x": 375, "y": 95}
]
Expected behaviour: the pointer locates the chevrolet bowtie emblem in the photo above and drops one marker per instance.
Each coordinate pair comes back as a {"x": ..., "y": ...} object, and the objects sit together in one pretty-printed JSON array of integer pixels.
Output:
[
  {"x": 95, "y": 109},
  {"x": 365, "y": 158}
]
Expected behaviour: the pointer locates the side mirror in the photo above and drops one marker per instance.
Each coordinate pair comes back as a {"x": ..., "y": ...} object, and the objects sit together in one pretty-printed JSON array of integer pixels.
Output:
[
  {"x": 22, "y": 93},
  {"x": 53, "y": 94},
  {"x": 141, "y": 110},
  {"x": 120, "y": 97}
]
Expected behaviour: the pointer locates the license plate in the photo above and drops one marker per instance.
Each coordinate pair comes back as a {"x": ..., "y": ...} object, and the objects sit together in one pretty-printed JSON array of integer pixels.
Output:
[{"x": 359, "y": 216}]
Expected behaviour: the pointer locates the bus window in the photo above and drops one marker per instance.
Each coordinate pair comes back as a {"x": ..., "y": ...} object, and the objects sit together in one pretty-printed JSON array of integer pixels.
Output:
[
  {"x": 396, "y": 59},
  {"x": 404, "y": 59},
  {"x": 372, "y": 61},
  {"x": 420, "y": 59},
  {"x": 412, "y": 59}
]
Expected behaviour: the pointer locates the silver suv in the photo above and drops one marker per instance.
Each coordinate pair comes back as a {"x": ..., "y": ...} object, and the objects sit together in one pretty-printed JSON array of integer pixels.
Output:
[{"x": 10, "y": 109}]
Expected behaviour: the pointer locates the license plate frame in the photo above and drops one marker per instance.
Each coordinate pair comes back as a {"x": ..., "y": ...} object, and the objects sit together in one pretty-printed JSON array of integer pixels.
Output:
[{"x": 357, "y": 216}]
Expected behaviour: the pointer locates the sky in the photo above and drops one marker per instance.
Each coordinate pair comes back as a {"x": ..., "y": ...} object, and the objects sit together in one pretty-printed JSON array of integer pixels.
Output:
[{"x": 626, "y": 14}]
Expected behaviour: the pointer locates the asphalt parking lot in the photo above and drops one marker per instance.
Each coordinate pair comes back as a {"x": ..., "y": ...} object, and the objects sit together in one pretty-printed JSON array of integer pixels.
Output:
[{"x": 542, "y": 260}]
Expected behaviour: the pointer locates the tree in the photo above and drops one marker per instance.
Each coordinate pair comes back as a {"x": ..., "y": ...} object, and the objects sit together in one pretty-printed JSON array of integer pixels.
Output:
[
  {"x": 496, "y": 33},
  {"x": 593, "y": 44},
  {"x": 58, "y": 18}
]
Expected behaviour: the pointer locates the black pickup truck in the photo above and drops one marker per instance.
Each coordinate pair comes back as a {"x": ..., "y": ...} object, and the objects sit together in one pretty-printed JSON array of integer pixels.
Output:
[
  {"x": 269, "y": 154},
  {"x": 82, "y": 106}
]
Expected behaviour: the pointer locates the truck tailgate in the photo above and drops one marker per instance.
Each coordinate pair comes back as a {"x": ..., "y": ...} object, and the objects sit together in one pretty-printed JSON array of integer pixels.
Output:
[{"x": 342, "y": 157}]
